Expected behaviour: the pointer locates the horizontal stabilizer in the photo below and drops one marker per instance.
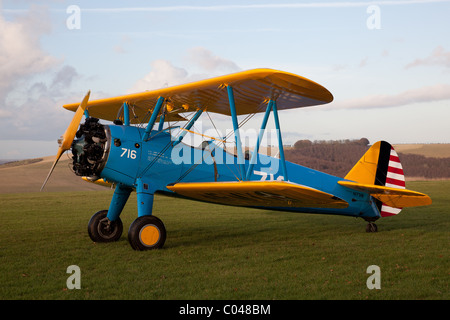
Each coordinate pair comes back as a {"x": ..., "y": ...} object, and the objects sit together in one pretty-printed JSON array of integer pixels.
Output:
[
  {"x": 380, "y": 173},
  {"x": 258, "y": 194},
  {"x": 393, "y": 197}
]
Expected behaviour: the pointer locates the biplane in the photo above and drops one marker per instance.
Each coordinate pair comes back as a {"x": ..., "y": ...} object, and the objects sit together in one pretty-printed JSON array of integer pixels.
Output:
[{"x": 135, "y": 153}]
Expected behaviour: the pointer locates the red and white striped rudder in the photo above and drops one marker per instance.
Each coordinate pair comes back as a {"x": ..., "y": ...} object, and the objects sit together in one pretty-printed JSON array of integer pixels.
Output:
[{"x": 395, "y": 178}]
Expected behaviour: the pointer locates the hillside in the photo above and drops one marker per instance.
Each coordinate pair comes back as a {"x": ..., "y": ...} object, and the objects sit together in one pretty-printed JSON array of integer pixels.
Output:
[
  {"x": 28, "y": 176},
  {"x": 421, "y": 161}
]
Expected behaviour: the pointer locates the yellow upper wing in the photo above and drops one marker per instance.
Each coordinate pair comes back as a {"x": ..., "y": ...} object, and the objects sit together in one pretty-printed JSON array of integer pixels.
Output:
[
  {"x": 252, "y": 91},
  {"x": 258, "y": 194}
]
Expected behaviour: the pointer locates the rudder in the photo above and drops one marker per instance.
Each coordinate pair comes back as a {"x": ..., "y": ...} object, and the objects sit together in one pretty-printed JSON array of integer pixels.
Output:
[{"x": 381, "y": 166}]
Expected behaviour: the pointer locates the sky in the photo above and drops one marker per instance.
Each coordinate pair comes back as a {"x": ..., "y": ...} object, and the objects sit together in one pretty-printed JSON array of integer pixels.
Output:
[{"x": 387, "y": 63}]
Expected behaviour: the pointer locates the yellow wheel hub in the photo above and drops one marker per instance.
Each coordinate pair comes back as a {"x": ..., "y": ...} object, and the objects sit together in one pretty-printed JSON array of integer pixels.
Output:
[{"x": 149, "y": 235}]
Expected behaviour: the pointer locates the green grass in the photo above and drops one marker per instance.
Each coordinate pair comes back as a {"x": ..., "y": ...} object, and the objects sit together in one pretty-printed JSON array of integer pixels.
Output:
[{"x": 219, "y": 252}]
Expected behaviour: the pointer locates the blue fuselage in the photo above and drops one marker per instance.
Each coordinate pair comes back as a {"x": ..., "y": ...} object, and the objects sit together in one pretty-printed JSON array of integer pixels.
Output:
[{"x": 157, "y": 163}]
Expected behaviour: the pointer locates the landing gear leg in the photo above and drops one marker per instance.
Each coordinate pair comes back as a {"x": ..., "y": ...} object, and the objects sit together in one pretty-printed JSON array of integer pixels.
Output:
[
  {"x": 105, "y": 225},
  {"x": 147, "y": 232}
]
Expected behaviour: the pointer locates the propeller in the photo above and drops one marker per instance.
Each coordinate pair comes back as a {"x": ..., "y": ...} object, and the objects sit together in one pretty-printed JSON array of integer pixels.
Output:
[{"x": 69, "y": 135}]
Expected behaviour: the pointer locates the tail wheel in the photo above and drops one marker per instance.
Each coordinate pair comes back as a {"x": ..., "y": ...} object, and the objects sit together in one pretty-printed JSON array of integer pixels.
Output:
[
  {"x": 147, "y": 233},
  {"x": 371, "y": 227},
  {"x": 101, "y": 229}
]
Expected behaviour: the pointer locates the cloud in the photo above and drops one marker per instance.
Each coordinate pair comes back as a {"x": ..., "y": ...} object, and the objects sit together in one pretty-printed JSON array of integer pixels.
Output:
[
  {"x": 122, "y": 46},
  {"x": 164, "y": 74},
  {"x": 20, "y": 53},
  {"x": 433, "y": 93},
  {"x": 439, "y": 57},
  {"x": 266, "y": 6},
  {"x": 64, "y": 77},
  {"x": 33, "y": 83},
  {"x": 363, "y": 62},
  {"x": 38, "y": 114},
  {"x": 209, "y": 62}
]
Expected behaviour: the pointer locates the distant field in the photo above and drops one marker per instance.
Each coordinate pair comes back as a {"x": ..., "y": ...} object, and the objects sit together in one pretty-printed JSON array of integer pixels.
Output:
[
  {"x": 434, "y": 150},
  {"x": 28, "y": 176},
  {"x": 218, "y": 252}
]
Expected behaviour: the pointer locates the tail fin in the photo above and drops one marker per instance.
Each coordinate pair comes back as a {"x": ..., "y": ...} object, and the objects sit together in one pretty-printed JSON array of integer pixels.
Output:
[{"x": 380, "y": 166}]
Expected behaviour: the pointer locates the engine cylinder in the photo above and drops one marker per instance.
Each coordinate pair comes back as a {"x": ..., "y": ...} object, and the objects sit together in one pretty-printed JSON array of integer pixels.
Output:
[{"x": 90, "y": 149}]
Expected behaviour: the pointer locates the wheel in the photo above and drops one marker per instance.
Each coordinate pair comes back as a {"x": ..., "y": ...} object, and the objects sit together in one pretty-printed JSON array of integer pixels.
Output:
[
  {"x": 101, "y": 229},
  {"x": 147, "y": 233},
  {"x": 371, "y": 227}
]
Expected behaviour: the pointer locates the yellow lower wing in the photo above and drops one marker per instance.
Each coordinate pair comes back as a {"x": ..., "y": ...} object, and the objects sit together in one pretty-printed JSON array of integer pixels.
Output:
[
  {"x": 100, "y": 182},
  {"x": 258, "y": 194},
  {"x": 393, "y": 197}
]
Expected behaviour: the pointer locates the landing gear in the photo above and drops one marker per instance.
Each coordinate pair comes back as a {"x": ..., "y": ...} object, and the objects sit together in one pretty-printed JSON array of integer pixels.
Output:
[
  {"x": 371, "y": 227},
  {"x": 146, "y": 233},
  {"x": 101, "y": 229}
]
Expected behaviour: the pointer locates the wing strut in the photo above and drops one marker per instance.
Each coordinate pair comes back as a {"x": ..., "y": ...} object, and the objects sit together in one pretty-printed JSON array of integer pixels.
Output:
[
  {"x": 258, "y": 141},
  {"x": 237, "y": 135},
  {"x": 152, "y": 120},
  {"x": 188, "y": 126},
  {"x": 126, "y": 114},
  {"x": 162, "y": 118},
  {"x": 280, "y": 141},
  {"x": 271, "y": 106}
]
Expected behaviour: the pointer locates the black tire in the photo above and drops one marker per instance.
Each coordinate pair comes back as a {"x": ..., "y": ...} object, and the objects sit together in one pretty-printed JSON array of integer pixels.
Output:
[
  {"x": 371, "y": 227},
  {"x": 147, "y": 233},
  {"x": 101, "y": 229}
]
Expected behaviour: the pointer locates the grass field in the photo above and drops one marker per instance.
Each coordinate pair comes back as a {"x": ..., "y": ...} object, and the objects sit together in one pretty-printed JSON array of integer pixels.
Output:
[{"x": 219, "y": 252}]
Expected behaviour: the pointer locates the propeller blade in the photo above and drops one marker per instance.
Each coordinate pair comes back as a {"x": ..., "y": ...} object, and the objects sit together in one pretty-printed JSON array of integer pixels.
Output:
[
  {"x": 69, "y": 135},
  {"x": 71, "y": 130},
  {"x": 58, "y": 155}
]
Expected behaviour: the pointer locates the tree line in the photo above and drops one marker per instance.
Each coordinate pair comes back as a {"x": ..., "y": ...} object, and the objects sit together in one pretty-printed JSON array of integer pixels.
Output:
[{"x": 337, "y": 157}]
